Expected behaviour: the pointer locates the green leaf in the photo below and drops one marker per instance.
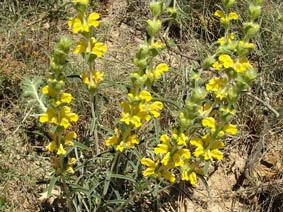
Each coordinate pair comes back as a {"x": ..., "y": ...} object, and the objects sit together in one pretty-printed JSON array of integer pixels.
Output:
[
  {"x": 107, "y": 182},
  {"x": 182, "y": 13},
  {"x": 51, "y": 185},
  {"x": 123, "y": 177},
  {"x": 31, "y": 89},
  {"x": 115, "y": 84},
  {"x": 115, "y": 201},
  {"x": 77, "y": 188},
  {"x": 205, "y": 183},
  {"x": 206, "y": 166},
  {"x": 172, "y": 43},
  {"x": 82, "y": 146},
  {"x": 157, "y": 129}
]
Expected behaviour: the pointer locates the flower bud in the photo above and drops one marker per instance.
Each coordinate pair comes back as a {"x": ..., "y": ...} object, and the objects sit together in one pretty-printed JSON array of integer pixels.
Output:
[
  {"x": 142, "y": 51},
  {"x": 156, "y": 8},
  {"x": 228, "y": 3},
  {"x": 250, "y": 29},
  {"x": 208, "y": 61},
  {"x": 249, "y": 75},
  {"x": 259, "y": 2},
  {"x": 65, "y": 43},
  {"x": 141, "y": 63},
  {"x": 232, "y": 95},
  {"x": 244, "y": 49},
  {"x": 153, "y": 27},
  {"x": 198, "y": 94},
  {"x": 254, "y": 11}
]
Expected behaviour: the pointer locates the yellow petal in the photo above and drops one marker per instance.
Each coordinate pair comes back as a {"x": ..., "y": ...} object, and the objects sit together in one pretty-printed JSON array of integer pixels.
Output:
[
  {"x": 169, "y": 176},
  {"x": 92, "y": 19},
  {"x": 217, "y": 154},
  {"x": 193, "y": 178},
  {"x": 61, "y": 150},
  {"x": 148, "y": 171},
  {"x": 145, "y": 95},
  {"x": 230, "y": 128},
  {"x": 147, "y": 162}
]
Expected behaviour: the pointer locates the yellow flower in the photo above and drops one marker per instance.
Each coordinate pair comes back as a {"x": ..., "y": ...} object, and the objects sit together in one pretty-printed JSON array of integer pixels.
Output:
[
  {"x": 69, "y": 168},
  {"x": 61, "y": 150},
  {"x": 221, "y": 93},
  {"x": 222, "y": 40},
  {"x": 80, "y": 24},
  {"x": 49, "y": 91},
  {"x": 154, "y": 107},
  {"x": 67, "y": 117},
  {"x": 94, "y": 47},
  {"x": 230, "y": 128},
  {"x": 217, "y": 66},
  {"x": 92, "y": 19},
  {"x": 179, "y": 155},
  {"x": 158, "y": 44},
  {"x": 169, "y": 176},
  {"x": 145, "y": 95},
  {"x": 51, "y": 146},
  {"x": 171, "y": 10},
  {"x": 97, "y": 77},
  {"x": 243, "y": 65},
  {"x": 81, "y": 1},
  {"x": 192, "y": 177},
  {"x": 209, "y": 122},
  {"x": 114, "y": 139},
  {"x": 50, "y": 116},
  {"x": 207, "y": 148},
  {"x": 166, "y": 158},
  {"x": 224, "y": 19},
  {"x": 164, "y": 147},
  {"x": 219, "y": 14},
  {"x": 81, "y": 47},
  {"x": 120, "y": 147},
  {"x": 132, "y": 140},
  {"x": 213, "y": 84},
  {"x": 205, "y": 109},
  {"x": 233, "y": 16},
  {"x": 227, "y": 110},
  {"x": 150, "y": 164},
  {"x": 97, "y": 48},
  {"x": 66, "y": 97},
  {"x": 182, "y": 139},
  {"x": 226, "y": 61},
  {"x": 160, "y": 69},
  {"x": 68, "y": 138}
]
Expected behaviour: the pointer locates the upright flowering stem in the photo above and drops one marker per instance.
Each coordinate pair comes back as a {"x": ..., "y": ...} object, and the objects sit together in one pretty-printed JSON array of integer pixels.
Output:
[
  {"x": 199, "y": 114},
  {"x": 90, "y": 50},
  {"x": 59, "y": 115},
  {"x": 139, "y": 108}
]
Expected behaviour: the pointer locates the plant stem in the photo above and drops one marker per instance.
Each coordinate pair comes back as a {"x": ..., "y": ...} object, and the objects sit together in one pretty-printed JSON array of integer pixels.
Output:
[
  {"x": 93, "y": 108},
  {"x": 66, "y": 189},
  {"x": 132, "y": 196}
]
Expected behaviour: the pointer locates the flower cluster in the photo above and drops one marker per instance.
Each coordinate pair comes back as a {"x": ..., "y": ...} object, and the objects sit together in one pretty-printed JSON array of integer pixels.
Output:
[
  {"x": 58, "y": 113},
  {"x": 139, "y": 107},
  {"x": 88, "y": 46},
  {"x": 210, "y": 119}
]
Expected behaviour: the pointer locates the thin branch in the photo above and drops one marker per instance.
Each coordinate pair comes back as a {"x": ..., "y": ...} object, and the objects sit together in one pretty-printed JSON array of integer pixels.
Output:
[
  {"x": 265, "y": 104},
  {"x": 177, "y": 52}
]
